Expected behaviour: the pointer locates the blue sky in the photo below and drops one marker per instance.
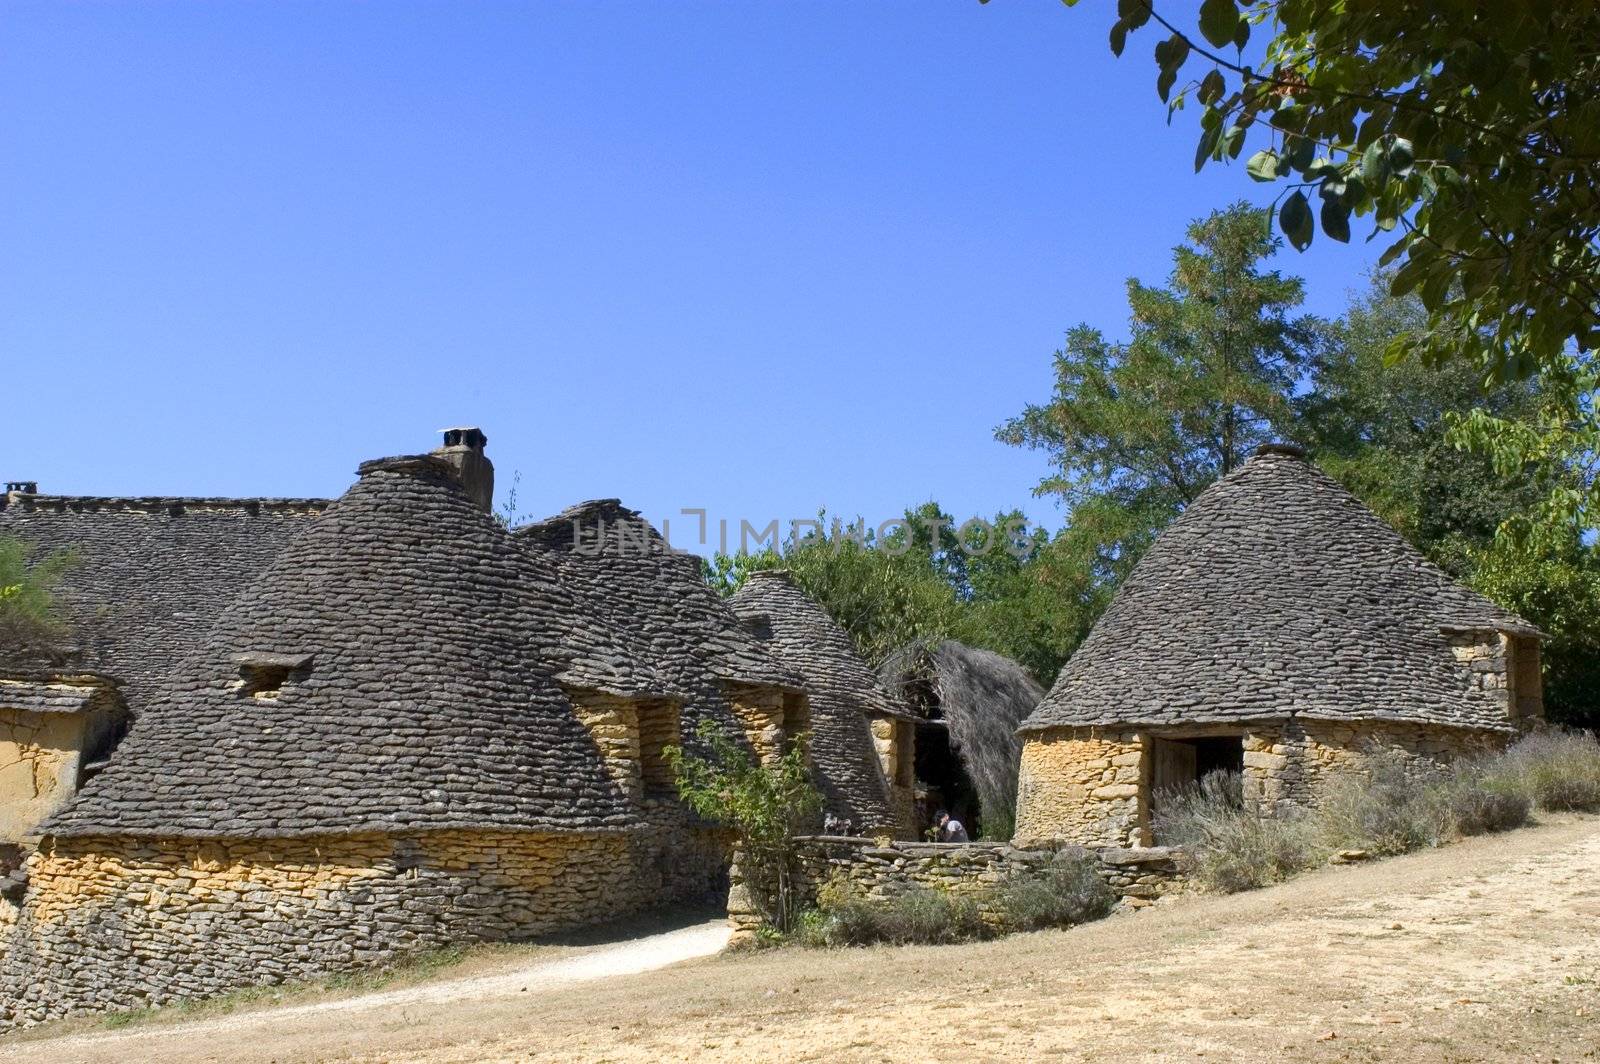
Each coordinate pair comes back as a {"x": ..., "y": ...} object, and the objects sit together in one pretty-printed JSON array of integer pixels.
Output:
[{"x": 756, "y": 258}]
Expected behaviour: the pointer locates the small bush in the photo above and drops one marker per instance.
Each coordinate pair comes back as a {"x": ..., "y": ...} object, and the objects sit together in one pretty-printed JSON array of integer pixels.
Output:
[
  {"x": 1068, "y": 890},
  {"x": 1393, "y": 806},
  {"x": 1237, "y": 847},
  {"x": 917, "y": 917},
  {"x": 1557, "y": 770},
  {"x": 1478, "y": 802}
]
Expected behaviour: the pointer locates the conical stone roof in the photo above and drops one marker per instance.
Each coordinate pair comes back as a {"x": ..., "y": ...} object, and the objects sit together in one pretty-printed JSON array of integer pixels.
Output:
[
  {"x": 1278, "y": 593},
  {"x": 620, "y": 568},
  {"x": 844, "y": 693},
  {"x": 416, "y": 645}
]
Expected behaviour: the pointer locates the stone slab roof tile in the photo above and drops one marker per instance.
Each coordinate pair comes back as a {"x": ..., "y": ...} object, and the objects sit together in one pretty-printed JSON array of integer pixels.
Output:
[
  {"x": 152, "y": 573},
  {"x": 429, "y": 700}
]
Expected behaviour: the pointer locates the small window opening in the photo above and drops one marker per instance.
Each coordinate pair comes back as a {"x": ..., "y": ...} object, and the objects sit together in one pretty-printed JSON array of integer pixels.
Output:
[{"x": 263, "y": 676}]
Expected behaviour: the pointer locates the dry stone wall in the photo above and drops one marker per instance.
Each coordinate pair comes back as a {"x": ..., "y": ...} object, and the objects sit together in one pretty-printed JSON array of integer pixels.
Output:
[
  {"x": 118, "y": 923},
  {"x": 1082, "y": 784},
  {"x": 1296, "y": 761},
  {"x": 877, "y": 870}
]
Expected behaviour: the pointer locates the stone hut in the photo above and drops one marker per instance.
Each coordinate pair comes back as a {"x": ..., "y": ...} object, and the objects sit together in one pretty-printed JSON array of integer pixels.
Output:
[
  {"x": 625, "y": 573},
  {"x": 861, "y": 735},
  {"x": 968, "y": 705},
  {"x": 413, "y": 729},
  {"x": 1278, "y": 629},
  {"x": 147, "y": 578}
]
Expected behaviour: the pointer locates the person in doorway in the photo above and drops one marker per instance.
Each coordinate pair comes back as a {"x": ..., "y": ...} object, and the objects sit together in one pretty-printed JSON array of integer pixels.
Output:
[{"x": 950, "y": 829}]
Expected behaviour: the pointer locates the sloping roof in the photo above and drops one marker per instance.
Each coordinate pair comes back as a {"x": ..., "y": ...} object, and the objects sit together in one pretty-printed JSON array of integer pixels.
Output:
[
  {"x": 844, "y": 693},
  {"x": 623, "y": 571},
  {"x": 151, "y": 574},
  {"x": 983, "y": 697},
  {"x": 1277, "y": 592},
  {"x": 429, "y": 700}
]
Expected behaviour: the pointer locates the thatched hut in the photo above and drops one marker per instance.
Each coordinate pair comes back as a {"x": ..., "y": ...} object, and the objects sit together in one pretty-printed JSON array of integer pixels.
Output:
[
  {"x": 1278, "y": 629},
  {"x": 969, "y": 703}
]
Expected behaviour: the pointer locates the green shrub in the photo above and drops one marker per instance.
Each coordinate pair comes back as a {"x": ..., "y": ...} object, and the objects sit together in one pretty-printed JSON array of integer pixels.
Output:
[
  {"x": 1479, "y": 802},
  {"x": 1392, "y": 806},
  {"x": 1557, "y": 770},
  {"x": 1067, "y": 890}
]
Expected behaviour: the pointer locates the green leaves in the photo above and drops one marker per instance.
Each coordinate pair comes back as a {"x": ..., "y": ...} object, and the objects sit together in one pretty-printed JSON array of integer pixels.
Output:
[
  {"x": 1219, "y": 21},
  {"x": 1263, "y": 165},
  {"x": 1170, "y": 56},
  {"x": 1335, "y": 220},
  {"x": 1294, "y": 218}
]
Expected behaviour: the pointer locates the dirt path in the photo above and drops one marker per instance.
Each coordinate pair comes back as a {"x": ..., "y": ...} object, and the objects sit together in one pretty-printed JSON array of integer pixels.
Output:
[{"x": 1485, "y": 951}]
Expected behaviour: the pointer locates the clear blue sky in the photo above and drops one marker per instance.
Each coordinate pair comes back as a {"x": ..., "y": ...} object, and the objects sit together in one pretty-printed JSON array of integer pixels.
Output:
[{"x": 758, "y": 258}]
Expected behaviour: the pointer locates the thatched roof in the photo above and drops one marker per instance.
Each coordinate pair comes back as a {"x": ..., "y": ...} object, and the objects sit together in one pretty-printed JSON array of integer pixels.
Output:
[
  {"x": 981, "y": 696},
  {"x": 1279, "y": 593},
  {"x": 843, "y": 694}
]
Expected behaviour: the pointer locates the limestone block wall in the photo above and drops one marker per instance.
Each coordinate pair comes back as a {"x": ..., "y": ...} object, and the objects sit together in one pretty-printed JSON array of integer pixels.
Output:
[
  {"x": 1092, "y": 786},
  {"x": 895, "y": 742},
  {"x": 1082, "y": 784},
  {"x": 1486, "y": 654},
  {"x": 631, "y": 735},
  {"x": 1295, "y": 761},
  {"x": 114, "y": 923},
  {"x": 877, "y": 872},
  {"x": 766, "y": 714}
]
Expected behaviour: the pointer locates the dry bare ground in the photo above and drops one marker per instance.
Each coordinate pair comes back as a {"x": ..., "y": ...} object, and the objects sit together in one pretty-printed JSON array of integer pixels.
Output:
[{"x": 1484, "y": 951}]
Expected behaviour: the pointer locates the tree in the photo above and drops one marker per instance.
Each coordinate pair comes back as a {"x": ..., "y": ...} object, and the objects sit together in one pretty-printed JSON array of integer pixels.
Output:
[
  {"x": 1137, "y": 430},
  {"x": 1468, "y": 130},
  {"x": 1385, "y": 430},
  {"x": 884, "y": 594},
  {"x": 766, "y": 806},
  {"x": 31, "y": 629},
  {"x": 1003, "y": 588}
]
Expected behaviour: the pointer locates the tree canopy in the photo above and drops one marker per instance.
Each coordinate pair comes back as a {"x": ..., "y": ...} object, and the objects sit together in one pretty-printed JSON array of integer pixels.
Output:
[
  {"x": 1136, "y": 430},
  {"x": 1467, "y": 131}
]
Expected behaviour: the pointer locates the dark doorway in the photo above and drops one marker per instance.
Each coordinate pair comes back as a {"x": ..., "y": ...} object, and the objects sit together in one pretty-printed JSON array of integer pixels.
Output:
[
  {"x": 942, "y": 781},
  {"x": 1182, "y": 763}
]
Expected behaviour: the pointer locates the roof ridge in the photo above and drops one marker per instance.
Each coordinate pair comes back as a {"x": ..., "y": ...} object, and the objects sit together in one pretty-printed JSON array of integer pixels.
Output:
[{"x": 37, "y": 502}]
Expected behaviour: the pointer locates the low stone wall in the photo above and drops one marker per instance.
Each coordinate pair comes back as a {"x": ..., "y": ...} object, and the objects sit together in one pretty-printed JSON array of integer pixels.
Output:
[
  {"x": 116, "y": 923},
  {"x": 875, "y": 870}
]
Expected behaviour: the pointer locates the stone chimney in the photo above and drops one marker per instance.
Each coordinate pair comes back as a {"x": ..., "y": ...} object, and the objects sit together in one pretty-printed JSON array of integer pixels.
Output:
[{"x": 463, "y": 448}]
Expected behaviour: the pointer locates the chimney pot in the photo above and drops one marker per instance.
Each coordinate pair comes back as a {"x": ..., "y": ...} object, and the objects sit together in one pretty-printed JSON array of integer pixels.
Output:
[
  {"x": 466, "y": 437},
  {"x": 22, "y": 487},
  {"x": 463, "y": 448}
]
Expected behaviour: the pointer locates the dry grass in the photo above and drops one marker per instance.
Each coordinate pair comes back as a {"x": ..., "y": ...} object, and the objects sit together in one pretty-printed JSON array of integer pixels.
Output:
[{"x": 1391, "y": 806}]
